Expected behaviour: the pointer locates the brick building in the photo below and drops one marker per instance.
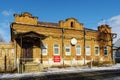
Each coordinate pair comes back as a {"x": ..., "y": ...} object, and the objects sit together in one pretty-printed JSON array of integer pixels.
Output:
[{"x": 66, "y": 43}]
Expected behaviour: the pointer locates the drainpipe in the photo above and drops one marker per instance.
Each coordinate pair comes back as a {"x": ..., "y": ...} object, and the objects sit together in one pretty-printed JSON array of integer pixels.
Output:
[
  {"x": 63, "y": 45},
  {"x": 84, "y": 44}
]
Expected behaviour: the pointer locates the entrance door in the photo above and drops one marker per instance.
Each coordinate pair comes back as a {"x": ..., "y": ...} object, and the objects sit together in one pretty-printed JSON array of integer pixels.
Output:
[{"x": 27, "y": 51}]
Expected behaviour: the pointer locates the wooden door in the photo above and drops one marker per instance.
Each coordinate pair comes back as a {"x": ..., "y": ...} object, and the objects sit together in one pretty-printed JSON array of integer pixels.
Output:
[{"x": 27, "y": 51}]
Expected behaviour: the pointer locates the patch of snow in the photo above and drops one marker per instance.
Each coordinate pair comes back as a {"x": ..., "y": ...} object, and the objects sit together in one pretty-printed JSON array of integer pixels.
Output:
[{"x": 60, "y": 71}]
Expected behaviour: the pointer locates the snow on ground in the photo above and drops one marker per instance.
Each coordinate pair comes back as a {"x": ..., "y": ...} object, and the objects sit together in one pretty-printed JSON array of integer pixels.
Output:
[{"x": 60, "y": 71}]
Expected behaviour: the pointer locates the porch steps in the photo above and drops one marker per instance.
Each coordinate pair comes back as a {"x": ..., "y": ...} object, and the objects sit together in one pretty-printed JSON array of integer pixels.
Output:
[{"x": 32, "y": 67}]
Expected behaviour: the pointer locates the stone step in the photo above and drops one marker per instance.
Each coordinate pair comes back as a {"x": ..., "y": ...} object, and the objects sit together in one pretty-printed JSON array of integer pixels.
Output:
[{"x": 33, "y": 67}]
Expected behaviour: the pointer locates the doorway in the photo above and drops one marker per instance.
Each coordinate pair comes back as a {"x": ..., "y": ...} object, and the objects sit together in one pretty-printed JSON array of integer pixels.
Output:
[{"x": 27, "y": 50}]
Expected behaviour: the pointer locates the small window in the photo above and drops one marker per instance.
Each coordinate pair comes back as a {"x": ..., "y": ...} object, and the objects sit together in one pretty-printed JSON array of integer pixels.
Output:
[
  {"x": 67, "y": 49},
  {"x": 105, "y": 50},
  {"x": 78, "y": 50},
  {"x": 96, "y": 50},
  {"x": 44, "y": 49},
  {"x": 87, "y": 50},
  {"x": 56, "y": 49},
  {"x": 72, "y": 24}
]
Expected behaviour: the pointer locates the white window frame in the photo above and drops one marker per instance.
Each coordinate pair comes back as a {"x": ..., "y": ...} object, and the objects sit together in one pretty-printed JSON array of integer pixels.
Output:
[
  {"x": 105, "y": 49},
  {"x": 45, "y": 49},
  {"x": 78, "y": 49},
  {"x": 86, "y": 50},
  {"x": 67, "y": 46},
  {"x": 57, "y": 48},
  {"x": 98, "y": 51}
]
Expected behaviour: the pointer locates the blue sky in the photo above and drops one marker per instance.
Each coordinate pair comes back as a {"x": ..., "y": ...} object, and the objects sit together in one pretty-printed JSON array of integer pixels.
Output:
[{"x": 89, "y": 12}]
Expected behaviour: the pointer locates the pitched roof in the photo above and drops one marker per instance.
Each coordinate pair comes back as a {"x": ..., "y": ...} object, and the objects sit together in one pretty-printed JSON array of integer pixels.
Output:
[
  {"x": 87, "y": 29},
  {"x": 48, "y": 24},
  {"x": 116, "y": 44}
]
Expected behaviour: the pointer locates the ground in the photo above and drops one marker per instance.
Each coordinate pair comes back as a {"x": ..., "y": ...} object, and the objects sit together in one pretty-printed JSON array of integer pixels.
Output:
[{"x": 61, "y": 71}]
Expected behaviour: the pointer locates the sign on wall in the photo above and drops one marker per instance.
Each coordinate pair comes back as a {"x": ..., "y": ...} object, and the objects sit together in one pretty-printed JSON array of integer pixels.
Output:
[{"x": 57, "y": 59}]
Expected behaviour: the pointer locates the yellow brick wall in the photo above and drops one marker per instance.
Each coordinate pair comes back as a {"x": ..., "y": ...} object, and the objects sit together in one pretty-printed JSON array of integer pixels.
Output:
[
  {"x": 67, "y": 24},
  {"x": 54, "y": 36},
  {"x": 7, "y": 56},
  {"x": 25, "y": 18}
]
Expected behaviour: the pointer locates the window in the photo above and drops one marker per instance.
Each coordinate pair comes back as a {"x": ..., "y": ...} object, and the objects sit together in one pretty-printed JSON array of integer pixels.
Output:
[
  {"x": 72, "y": 24},
  {"x": 67, "y": 49},
  {"x": 44, "y": 49},
  {"x": 105, "y": 50},
  {"x": 56, "y": 49},
  {"x": 96, "y": 50},
  {"x": 78, "y": 50},
  {"x": 87, "y": 50}
]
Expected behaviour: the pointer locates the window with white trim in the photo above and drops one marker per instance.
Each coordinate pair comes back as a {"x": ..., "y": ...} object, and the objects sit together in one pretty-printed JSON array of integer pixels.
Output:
[
  {"x": 56, "y": 49},
  {"x": 87, "y": 50},
  {"x": 78, "y": 50},
  {"x": 67, "y": 49},
  {"x": 105, "y": 50},
  {"x": 44, "y": 49},
  {"x": 96, "y": 50}
]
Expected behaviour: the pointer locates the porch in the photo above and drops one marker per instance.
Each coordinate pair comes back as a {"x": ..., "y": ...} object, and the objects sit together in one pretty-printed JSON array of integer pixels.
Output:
[{"x": 29, "y": 55}]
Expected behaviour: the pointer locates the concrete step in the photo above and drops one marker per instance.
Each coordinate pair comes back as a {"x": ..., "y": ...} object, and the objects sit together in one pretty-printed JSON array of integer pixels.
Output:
[{"x": 32, "y": 67}]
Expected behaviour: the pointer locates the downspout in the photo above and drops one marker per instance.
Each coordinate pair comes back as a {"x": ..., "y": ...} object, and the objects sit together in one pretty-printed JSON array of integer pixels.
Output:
[
  {"x": 21, "y": 46},
  {"x": 16, "y": 60},
  {"x": 63, "y": 45},
  {"x": 84, "y": 44}
]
